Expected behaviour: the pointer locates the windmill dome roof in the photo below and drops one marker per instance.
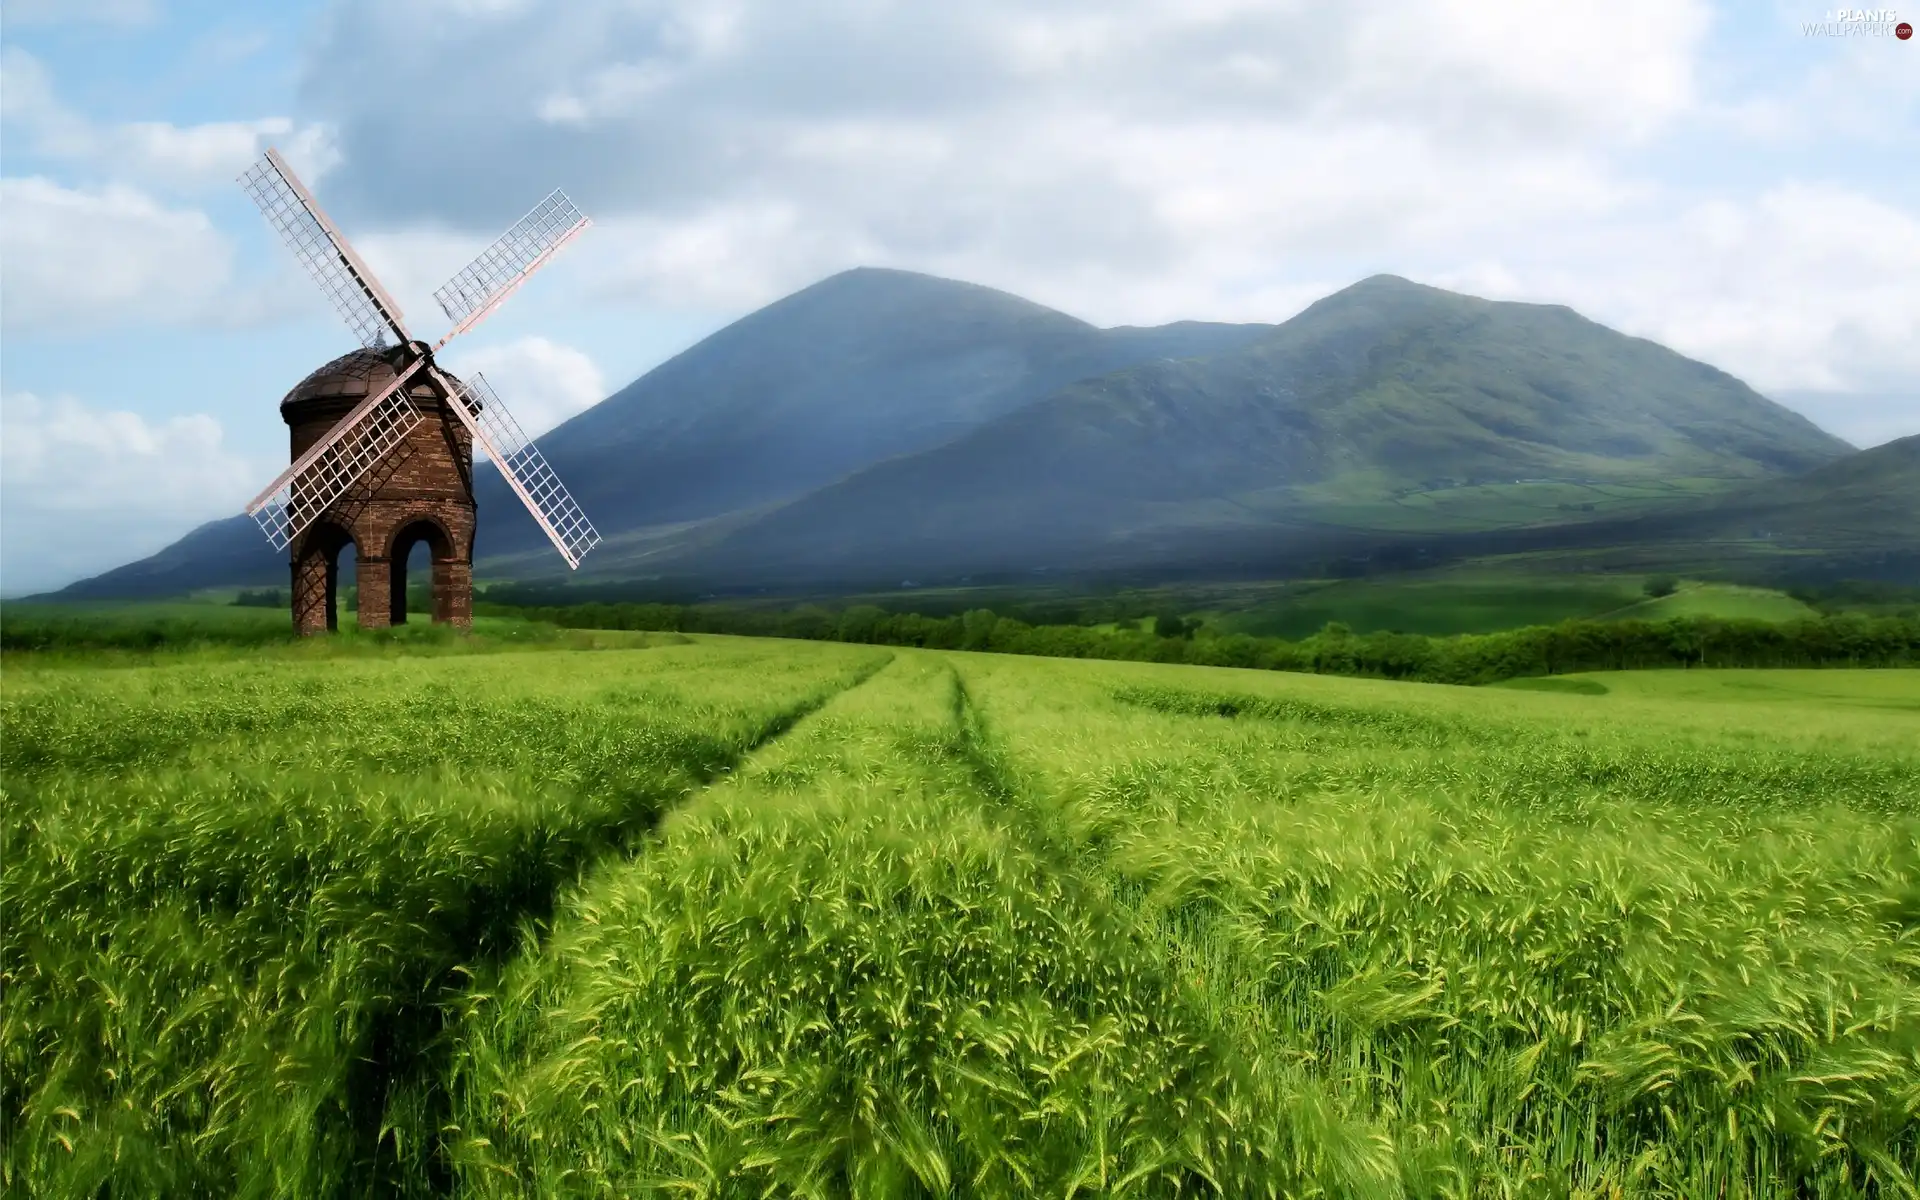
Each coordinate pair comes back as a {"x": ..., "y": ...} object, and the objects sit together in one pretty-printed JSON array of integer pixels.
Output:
[{"x": 352, "y": 375}]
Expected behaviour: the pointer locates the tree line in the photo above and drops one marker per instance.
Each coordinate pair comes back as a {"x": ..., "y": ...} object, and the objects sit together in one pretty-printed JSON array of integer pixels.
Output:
[{"x": 1843, "y": 640}]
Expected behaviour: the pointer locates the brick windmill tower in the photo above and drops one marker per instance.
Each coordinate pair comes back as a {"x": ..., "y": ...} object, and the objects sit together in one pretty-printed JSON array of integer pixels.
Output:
[{"x": 383, "y": 437}]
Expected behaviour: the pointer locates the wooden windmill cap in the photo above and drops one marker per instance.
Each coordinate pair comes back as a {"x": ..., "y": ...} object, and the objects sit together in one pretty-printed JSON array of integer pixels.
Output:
[{"x": 351, "y": 376}]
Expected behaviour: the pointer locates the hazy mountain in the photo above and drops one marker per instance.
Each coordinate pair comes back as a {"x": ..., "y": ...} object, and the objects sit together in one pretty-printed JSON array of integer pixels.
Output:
[
  {"x": 1383, "y": 387},
  {"x": 1863, "y": 418},
  {"x": 860, "y": 367},
  {"x": 219, "y": 553},
  {"x": 1871, "y": 496},
  {"x": 1859, "y": 516},
  {"x": 882, "y": 421}
]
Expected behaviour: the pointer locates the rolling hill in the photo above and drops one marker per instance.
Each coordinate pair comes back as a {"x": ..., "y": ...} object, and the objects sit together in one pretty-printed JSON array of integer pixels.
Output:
[
  {"x": 883, "y": 423},
  {"x": 1382, "y": 391},
  {"x": 1857, "y": 517},
  {"x": 861, "y": 367}
]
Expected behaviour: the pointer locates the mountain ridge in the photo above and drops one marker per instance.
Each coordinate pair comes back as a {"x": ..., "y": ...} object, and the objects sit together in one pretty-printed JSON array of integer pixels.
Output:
[
  {"x": 1361, "y": 382},
  {"x": 809, "y": 388},
  {"x": 882, "y": 420}
]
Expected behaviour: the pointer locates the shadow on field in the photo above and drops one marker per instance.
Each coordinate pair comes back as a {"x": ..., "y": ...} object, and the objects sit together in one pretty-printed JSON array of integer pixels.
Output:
[{"x": 410, "y": 1047}]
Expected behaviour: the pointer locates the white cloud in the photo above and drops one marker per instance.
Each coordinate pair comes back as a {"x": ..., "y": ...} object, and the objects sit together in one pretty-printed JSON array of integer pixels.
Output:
[
  {"x": 1810, "y": 286},
  {"x": 1803, "y": 287},
  {"x": 1144, "y": 160},
  {"x": 541, "y": 381},
  {"x": 1130, "y": 161},
  {"x": 1615, "y": 68},
  {"x": 83, "y": 489},
  {"x": 154, "y": 153},
  {"x": 87, "y": 259},
  {"x": 91, "y": 256}
]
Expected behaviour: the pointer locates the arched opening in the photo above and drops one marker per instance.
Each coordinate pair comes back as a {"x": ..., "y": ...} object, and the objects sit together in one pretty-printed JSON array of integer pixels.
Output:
[
  {"x": 412, "y": 580},
  {"x": 425, "y": 542},
  {"x": 317, "y": 584}
]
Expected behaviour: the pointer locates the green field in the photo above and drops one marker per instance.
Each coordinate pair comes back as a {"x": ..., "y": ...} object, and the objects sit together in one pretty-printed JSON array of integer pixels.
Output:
[
  {"x": 1379, "y": 502},
  {"x": 1724, "y": 600},
  {"x": 1482, "y": 600},
  {"x": 750, "y": 917},
  {"x": 1436, "y": 603},
  {"x": 139, "y": 630}
]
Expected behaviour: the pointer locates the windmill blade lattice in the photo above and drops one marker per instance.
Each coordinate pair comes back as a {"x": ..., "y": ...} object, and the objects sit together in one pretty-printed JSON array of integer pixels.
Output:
[
  {"x": 346, "y": 281},
  {"x": 336, "y": 462},
  {"x": 381, "y": 426},
  {"x": 324, "y": 252},
  {"x": 524, "y": 468},
  {"x": 480, "y": 287}
]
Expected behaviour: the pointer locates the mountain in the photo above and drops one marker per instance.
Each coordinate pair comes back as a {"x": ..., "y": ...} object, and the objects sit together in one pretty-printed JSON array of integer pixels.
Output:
[
  {"x": 1858, "y": 517},
  {"x": 219, "y": 553},
  {"x": 863, "y": 366},
  {"x": 1868, "y": 498},
  {"x": 883, "y": 423},
  {"x": 1381, "y": 390}
]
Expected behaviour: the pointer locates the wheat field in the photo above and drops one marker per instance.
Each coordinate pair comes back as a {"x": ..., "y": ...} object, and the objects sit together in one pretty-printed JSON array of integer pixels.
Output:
[{"x": 761, "y": 918}]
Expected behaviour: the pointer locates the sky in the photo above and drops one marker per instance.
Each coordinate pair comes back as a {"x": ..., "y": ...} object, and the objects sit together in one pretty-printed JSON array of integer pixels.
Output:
[{"x": 1740, "y": 182}]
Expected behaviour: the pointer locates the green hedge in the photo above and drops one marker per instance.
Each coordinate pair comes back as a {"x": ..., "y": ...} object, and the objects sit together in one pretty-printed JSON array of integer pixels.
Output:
[{"x": 1849, "y": 640}]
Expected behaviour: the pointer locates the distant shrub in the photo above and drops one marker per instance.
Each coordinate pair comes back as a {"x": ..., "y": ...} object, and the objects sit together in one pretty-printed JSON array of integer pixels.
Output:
[
  {"x": 263, "y": 598},
  {"x": 1167, "y": 625},
  {"x": 1662, "y": 585},
  {"x": 1846, "y": 640}
]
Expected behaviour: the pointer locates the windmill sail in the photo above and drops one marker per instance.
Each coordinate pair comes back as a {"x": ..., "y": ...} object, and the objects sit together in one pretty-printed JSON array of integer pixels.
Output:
[
  {"x": 336, "y": 462},
  {"x": 523, "y": 467},
  {"x": 378, "y": 426},
  {"x": 479, "y": 288},
  {"x": 324, "y": 252}
]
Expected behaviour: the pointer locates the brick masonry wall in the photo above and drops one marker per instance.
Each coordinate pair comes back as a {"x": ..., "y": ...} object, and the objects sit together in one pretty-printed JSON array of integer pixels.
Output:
[{"x": 422, "y": 490}]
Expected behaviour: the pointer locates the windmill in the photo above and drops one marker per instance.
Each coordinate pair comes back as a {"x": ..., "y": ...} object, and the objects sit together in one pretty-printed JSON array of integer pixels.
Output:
[{"x": 383, "y": 437}]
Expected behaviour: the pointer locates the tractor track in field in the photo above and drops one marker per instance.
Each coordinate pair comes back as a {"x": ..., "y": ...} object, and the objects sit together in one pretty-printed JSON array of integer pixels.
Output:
[
  {"x": 412, "y": 1046},
  {"x": 777, "y": 729},
  {"x": 1075, "y": 864}
]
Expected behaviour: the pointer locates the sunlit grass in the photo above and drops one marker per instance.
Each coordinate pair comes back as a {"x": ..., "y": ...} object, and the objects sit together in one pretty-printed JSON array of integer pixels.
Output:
[
  {"x": 238, "y": 895},
  {"x": 1532, "y": 939},
  {"x": 736, "y": 917}
]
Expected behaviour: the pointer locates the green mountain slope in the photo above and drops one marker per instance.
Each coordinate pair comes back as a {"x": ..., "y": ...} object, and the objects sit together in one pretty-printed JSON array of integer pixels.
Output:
[
  {"x": 1381, "y": 391},
  {"x": 1858, "y": 517},
  {"x": 886, "y": 424},
  {"x": 860, "y": 367},
  {"x": 1870, "y": 498}
]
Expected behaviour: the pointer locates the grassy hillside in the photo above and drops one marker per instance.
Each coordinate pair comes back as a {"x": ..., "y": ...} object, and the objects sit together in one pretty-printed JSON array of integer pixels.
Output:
[
  {"x": 1726, "y": 600},
  {"x": 1863, "y": 508},
  {"x": 1489, "y": 599},
  {"x": 1387, "y": 406},
  {"x": 746, "y": 917},
  {"x": 860, "y": 367},
  {"x": 1442, "y": 602}
]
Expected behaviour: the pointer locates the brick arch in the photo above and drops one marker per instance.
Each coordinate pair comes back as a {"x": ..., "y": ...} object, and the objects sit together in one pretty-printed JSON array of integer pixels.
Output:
[
  {"x": 316, "y": 576},
  {"x": 409, "y": 531},
  {"x": 426, "y": 477},
  {"x": 427, "y": 526}
]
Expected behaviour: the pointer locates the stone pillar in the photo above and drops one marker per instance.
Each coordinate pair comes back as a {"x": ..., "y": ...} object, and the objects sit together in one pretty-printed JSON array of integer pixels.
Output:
[
  {"x": 375, "y": 579},
  {"x": 453, "y": 593},
  {"x": 313, "y": 588}
]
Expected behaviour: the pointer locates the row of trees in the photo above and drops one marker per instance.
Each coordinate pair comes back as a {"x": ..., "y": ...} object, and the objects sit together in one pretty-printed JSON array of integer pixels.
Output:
[{"x": 1845, "y": 640}]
